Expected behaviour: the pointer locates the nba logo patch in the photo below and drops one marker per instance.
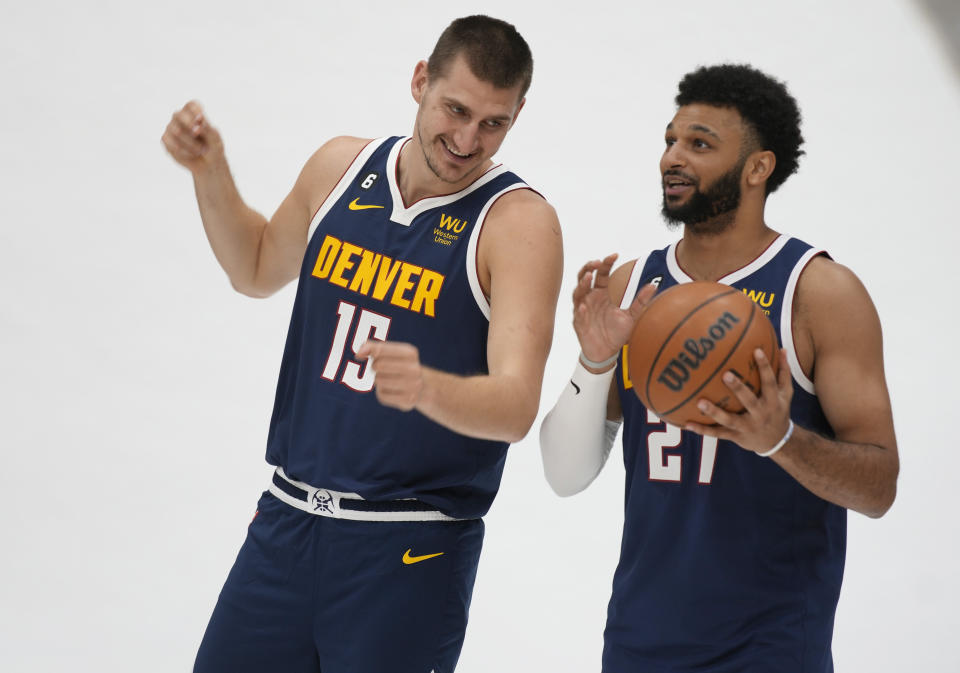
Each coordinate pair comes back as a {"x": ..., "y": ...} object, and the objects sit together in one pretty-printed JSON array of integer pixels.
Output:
[{"x": 323, "y": 501}]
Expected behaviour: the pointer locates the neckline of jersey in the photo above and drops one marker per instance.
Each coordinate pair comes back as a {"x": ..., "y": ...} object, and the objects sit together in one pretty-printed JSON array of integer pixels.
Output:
[
  {"x": 681, "y": 276},
  {"x": 404, "y": 214}
]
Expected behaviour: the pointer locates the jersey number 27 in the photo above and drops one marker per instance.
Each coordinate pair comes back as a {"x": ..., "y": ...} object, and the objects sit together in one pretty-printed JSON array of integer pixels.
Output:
[{"x": 669, "y": 466}]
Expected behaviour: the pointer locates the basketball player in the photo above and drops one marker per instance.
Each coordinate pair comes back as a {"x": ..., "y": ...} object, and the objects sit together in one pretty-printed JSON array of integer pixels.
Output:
[
  {"x": 415, "y": 355},
  {"x": 734, "y": 534}
]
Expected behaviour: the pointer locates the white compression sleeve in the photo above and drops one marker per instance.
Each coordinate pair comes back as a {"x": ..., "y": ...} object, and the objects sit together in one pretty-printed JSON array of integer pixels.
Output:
[{"x": 575, "y": 437}]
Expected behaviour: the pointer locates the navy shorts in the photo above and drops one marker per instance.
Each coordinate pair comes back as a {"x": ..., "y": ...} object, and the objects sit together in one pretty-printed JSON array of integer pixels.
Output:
[{"x": 322, "y": 595}]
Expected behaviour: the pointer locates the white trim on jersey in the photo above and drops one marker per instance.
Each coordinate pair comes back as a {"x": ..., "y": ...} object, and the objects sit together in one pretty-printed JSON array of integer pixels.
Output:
[
  {"x": 405, "y": 216},
  {"x": 673, "y": 266},
  {"x": 786, "y": 321},
  {"x": 471, "y": 257},
  {"x": 343, "y": 183},
  {"x": 633, "y": 283}
]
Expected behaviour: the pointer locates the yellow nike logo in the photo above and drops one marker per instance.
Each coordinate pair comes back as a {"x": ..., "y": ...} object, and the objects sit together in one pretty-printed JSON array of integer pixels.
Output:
[
  {"x": 407, "y": 559},
  {"x": 353, "y": 205}
]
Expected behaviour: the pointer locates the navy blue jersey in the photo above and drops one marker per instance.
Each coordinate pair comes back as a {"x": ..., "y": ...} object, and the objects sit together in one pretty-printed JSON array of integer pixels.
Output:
[
  {"x": 378, "y": 268},
  {"x": 727, "y": 562}
]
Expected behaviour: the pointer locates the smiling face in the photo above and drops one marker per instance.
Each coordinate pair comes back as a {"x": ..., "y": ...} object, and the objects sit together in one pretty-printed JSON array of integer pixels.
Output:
[
  {"x": 462, "y": 120},
  {"x": 702, "y": 167}
]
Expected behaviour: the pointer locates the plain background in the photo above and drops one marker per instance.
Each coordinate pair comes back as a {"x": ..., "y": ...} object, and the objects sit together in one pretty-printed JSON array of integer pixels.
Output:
[{"x": 136, "y": 386}]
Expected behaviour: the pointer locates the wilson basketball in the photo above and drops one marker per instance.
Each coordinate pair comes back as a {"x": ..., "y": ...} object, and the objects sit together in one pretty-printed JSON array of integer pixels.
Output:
[{"x": 687, "y": 337}]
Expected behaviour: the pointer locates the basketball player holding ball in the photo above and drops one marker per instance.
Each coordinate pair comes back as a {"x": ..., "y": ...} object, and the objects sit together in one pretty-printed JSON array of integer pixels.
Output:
[{"x": 735, "y": 530}]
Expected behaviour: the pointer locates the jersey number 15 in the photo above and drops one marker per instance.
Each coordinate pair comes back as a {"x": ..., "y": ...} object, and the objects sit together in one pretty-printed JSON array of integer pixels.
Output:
[{"x": 369, "y": 325}]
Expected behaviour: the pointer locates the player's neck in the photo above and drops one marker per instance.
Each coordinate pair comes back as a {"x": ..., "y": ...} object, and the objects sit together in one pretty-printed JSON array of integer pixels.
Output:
[
  {"x": 711, "y": 256},
  {"x": 417, "y": 181}
]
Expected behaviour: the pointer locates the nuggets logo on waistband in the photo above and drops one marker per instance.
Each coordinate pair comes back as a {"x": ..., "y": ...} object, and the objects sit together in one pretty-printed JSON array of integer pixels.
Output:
[{"x": 370, "y": 273}]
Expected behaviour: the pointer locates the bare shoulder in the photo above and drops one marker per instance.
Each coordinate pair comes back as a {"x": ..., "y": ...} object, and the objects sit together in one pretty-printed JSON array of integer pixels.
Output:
[
  {"x": 520, "y": 240},
  {"x": 326, "y": 166},
  {"x": 523, "y": 209},
  {"x": 832, "y": 305},
  {"x": 521, "y": 223},
  {"x": 826, "y": 286},
  {"x": 341, "y": 149}
]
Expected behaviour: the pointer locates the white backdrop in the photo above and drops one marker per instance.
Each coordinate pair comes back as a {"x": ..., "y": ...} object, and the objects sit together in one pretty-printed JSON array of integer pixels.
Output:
[{"x": 136, "y": 387}]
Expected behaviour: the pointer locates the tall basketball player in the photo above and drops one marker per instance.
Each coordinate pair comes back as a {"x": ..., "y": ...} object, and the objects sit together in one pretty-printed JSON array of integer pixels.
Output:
[
  {"x": 415, "y": 355},
  {"x": 734, "y": 535}
]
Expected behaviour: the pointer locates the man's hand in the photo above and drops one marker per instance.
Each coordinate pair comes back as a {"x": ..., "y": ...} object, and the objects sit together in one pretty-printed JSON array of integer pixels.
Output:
[
  {"x": 190, "y": 140},
  {"x": 399, "y": 374},
  {"x": 603, "y": 327},
  {"x": 766, "y": 416}
]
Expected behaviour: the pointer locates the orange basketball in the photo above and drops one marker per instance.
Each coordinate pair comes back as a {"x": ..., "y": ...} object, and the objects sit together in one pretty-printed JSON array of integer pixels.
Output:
[{"x": 684, "y": 341}]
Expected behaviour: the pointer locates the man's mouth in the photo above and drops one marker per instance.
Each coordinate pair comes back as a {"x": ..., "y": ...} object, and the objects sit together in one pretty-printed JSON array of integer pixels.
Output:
[
  {"x": 459, "y": 155},
  {"x": 675, "y": 185}
]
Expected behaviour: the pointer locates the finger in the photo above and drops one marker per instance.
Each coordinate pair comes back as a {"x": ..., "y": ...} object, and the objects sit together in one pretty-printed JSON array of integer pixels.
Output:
[
  {"x": 395, "y": 370},
  {"x": 717, "y": 431},
  {"x": 371, "y": 348},
  {"x": 187, "y": 122},
  {"x": 747, "y": 397},
  {"x": 194, "y": 108},
  {"x": 399, "y": 397},
  {"x": 724, "y": 418},
  {"x": 194, "y": 111},
  {"x": 580, "y": 319},
  {"x": 583, "y": 287},
  {"x": 588, "y": 268},
  {"x": 603, "y": 270},
  {"x": 392, "y": 355},
  {"x": 181, "y": 127},
  {"x": 768, "y": 382},
  {"x": 640, "y": 302},
  {"x": 182, "y": 147}
]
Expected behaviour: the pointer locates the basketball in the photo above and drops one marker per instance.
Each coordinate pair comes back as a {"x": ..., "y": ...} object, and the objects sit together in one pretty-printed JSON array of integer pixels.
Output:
[{"x": 684, "y": 341}]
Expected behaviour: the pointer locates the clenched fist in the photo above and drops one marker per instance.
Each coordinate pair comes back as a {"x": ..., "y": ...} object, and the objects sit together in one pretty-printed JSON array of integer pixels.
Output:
[
  {"x": 190, "y": 140},
  {"x": 399, "y": 373}
]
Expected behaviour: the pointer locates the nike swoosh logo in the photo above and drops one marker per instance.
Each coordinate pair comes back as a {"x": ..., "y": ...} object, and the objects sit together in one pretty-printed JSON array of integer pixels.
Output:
[
  {"x": 575, "y": 386},
  {"x": 353, "y": 205},
  {"x": 407, "y": 559}
]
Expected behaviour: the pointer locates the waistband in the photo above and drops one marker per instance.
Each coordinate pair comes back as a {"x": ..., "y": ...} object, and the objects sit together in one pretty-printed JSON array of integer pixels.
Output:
[{"x": 338, "y": 505}]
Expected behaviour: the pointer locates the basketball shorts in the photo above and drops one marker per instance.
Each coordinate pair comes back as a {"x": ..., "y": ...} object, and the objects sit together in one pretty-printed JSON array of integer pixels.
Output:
[{"x": 318, "y": 594}]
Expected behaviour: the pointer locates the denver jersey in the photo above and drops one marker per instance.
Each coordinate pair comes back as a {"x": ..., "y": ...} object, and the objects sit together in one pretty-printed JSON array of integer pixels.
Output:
[
  {"x": 377, "y": 268},
  {"x": 727, "y": 562}
]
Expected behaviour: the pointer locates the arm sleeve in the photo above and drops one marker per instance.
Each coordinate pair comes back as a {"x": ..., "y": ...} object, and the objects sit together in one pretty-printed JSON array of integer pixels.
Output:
[{"x": 575, "y": 437}]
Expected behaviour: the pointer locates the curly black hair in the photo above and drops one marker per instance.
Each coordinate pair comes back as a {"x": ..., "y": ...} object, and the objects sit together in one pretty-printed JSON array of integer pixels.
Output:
[{"x": 762, "y": 101}]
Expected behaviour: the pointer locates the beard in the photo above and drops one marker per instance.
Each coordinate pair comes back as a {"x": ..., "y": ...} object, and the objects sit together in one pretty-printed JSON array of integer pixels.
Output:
[
  {"x": 433, "y": 162},
  {"x": 710, "y": 211}
]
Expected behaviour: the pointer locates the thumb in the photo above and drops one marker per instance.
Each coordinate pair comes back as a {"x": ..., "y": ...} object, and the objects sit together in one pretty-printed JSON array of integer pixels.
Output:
[
  {"x": 640, "y": 302},
  {"x": 367, "y": 350}
]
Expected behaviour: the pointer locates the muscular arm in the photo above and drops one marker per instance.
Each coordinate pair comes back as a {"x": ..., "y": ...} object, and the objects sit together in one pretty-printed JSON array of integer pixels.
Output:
[
  {"x": 260, "y": 256},
  {"x": 839, "y": 346},
  {"x": 520, "y": 262},
  {"x": 838, "y": 321}
]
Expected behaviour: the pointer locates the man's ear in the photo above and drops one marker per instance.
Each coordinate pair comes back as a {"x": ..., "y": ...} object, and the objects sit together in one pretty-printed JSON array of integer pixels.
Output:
[
  {"x": 420, "y": 81},
  {"x": 759, "y": 167}
]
